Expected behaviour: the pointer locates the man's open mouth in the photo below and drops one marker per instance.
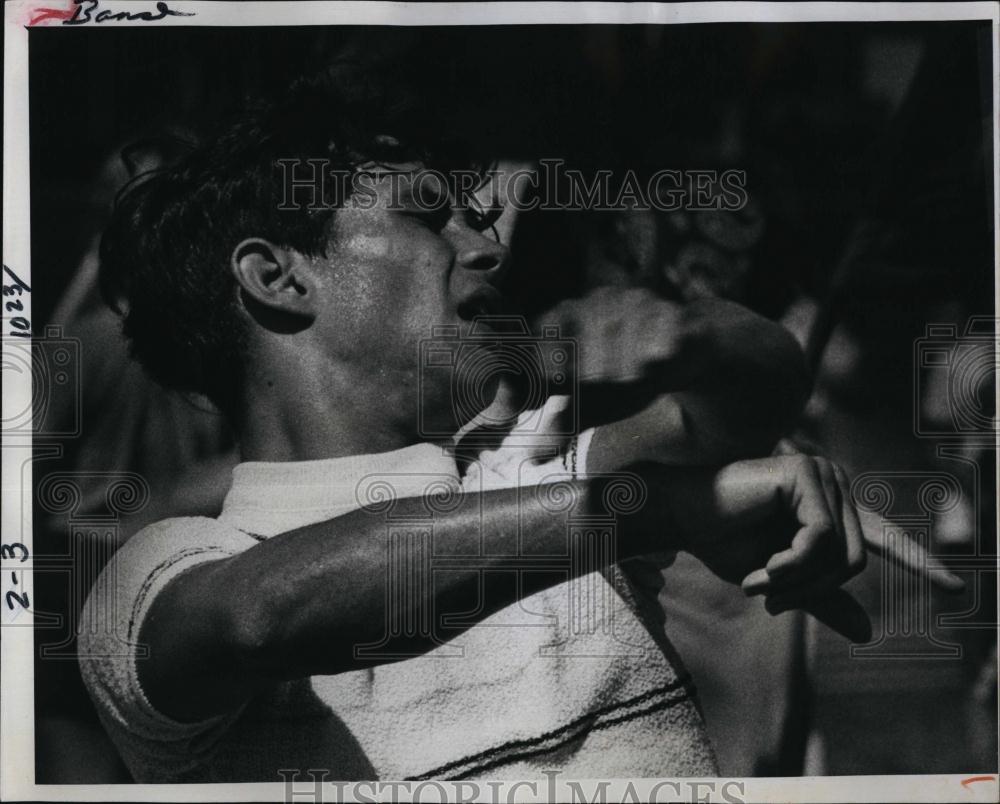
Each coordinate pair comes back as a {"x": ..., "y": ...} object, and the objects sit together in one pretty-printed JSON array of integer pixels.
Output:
[{"x": 485, "y": 301}]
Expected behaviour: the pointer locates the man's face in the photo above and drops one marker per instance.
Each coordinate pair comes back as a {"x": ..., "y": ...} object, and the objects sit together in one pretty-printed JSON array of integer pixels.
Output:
[{"x": 403, "y": 259}]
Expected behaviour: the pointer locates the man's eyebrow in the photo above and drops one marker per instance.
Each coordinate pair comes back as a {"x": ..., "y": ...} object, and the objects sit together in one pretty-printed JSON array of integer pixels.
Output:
[
  {"x": 426, "y": 194},
  {"x": 401, "y": 184},
  {"x": 405, "y": 195},
  {"x": 381, "y": 170}
]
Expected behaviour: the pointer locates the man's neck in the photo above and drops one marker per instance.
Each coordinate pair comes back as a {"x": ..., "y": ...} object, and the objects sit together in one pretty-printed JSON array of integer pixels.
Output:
[{"x": 301, "y": 415}]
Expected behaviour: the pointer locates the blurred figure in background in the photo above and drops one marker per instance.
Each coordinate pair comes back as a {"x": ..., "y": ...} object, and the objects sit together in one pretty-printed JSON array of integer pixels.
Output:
[{"x": 129, "y": 426}]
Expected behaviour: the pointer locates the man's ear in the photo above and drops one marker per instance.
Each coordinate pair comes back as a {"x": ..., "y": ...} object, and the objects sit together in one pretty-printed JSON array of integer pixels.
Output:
[{"x": 275, "y": 278}]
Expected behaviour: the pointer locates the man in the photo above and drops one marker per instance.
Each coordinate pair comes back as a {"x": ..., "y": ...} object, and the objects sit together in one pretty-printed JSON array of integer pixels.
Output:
[{"x": 349, "y": 609}]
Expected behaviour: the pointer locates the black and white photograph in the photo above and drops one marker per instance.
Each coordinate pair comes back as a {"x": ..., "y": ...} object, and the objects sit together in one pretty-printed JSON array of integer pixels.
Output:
[{"x": 499, "y": 402}]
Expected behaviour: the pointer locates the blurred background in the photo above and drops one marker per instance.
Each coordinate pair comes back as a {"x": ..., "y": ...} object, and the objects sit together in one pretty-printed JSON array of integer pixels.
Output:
[{"x": 868, "y": 155}]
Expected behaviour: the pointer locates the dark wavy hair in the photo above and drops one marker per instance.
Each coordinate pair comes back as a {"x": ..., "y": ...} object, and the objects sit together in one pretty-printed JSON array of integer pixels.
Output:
[{"x": 164, "y": 256}]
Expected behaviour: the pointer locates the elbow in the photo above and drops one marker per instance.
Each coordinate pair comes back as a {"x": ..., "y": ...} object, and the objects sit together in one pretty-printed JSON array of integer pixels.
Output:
[
  {"x": 279, "y": 634},
  {"x": 254, "y": 638},
  {"x": 259, "y": 621}
]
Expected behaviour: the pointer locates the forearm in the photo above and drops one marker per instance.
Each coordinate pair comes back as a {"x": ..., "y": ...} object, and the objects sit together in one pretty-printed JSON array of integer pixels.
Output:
[
  {"x": 741, "y": 385},
  {"x": 325, "y": 586}
]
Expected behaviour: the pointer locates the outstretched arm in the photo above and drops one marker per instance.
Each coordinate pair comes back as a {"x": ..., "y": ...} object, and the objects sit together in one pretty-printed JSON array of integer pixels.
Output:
[{"x": 298, "y": 603}]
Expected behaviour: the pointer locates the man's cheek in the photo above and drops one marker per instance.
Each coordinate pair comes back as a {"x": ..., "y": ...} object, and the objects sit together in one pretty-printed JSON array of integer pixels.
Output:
[{"x": 369, "y": 245}]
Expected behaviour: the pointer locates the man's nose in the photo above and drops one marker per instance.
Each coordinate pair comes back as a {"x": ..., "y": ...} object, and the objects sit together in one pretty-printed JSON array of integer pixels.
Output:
[{"x": 487, "y": 257}]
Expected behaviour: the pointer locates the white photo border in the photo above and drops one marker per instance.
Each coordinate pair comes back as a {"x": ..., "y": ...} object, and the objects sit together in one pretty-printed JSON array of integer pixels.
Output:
[{"x": 17, "y": 738}]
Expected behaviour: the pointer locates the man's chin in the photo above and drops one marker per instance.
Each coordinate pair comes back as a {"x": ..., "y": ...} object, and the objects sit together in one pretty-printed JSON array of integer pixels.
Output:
[{"x": 477, "y": 328}]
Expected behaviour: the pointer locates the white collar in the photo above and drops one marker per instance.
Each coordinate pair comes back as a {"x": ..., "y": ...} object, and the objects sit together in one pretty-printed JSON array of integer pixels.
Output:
[{"x": 268, "y": 498}]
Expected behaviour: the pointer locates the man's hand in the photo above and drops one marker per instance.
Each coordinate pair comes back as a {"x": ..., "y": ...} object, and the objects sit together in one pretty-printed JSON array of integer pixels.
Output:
[
  {"x": 704, "y": 383},
  {"x": 913, "y": 558},
  {"x": 783, "y": 527},
  {"x": 631, "y": 346},
  {"x": 623, "y": 333}
]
